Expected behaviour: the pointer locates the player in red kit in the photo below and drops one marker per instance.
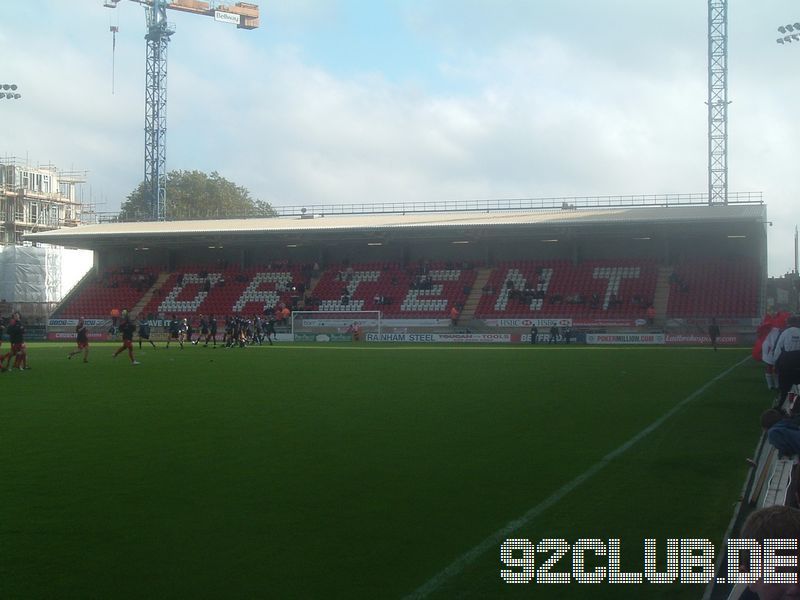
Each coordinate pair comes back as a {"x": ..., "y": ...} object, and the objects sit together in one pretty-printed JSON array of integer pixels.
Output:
[
  {"x": 82, "y": 336},
  {"x": 127, "y": 328},
  {"x": 16, "y": 335}
]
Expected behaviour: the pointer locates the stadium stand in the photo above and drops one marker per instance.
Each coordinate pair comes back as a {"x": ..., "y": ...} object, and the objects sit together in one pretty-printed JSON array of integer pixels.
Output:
[
  {"x": 199, "y": 290},
  {"x": 111, "y": 289},
  {"x": 415, "y": 291},
  {"x": 713, "y": 288},
  {"x": 622, "y": 288}
]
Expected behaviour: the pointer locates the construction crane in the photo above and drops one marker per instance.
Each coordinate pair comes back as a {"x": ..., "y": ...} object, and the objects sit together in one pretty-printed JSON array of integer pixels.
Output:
[
  {"x": 241, "y": 14},
  {"x": 718, "y": 102}
]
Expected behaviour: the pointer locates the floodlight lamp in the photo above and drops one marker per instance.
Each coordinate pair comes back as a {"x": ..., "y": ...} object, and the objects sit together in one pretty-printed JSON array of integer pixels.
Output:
[
  {"x": 796, "y": 37},
  {"x": 782, "y": 29},
  {"x": 17, "y": 96},
  {"x": 789, "y": 28},
  {"x": 13, "y": 86},
  {"x": 2, "y": 95},
  {"x": 788, "y": 38},
  {"x": 797, "y": 26},
  {"x": 6, "y": 86},
  {"x": 780, "y": 41}
]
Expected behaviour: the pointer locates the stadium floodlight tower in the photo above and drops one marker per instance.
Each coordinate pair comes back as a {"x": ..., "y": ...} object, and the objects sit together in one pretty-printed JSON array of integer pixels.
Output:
[
  {"x": 790, "y": 33},
  {"x": 8, "y": 91},
  {"x": 717, "y": 102}
]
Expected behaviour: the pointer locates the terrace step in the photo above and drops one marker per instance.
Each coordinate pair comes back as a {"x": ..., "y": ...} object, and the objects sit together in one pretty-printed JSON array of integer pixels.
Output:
[
  {"x": 312, "y": 284},
  {"x": 471, "y": 305},
  {"x": 661, "y": 296},
  {"x": 148, "y": 295}
]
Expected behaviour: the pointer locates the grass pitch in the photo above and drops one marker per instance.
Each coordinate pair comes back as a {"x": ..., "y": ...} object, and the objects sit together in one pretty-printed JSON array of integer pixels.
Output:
[{"x": 356, "y": 471}]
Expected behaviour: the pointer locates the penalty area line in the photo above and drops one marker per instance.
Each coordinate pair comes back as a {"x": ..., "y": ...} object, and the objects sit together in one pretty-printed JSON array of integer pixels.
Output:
[{"x": 456, "y": 567}]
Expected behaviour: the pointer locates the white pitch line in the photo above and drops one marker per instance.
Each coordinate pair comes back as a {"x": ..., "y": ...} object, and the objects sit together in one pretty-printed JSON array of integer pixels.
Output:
[{"x": 494, "y": 540}]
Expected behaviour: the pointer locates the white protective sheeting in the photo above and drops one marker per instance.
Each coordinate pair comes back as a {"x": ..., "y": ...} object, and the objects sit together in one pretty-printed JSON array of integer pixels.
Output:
[{"x": 40, "y": 274}]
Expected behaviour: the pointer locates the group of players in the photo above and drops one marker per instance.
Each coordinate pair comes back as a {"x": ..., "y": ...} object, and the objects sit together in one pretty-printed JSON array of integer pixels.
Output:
[
  {"x": 238, "y": 331},
  {"x": 16, "y": 337}
]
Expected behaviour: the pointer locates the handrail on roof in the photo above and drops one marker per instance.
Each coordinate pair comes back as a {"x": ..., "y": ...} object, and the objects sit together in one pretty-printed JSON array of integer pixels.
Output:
[{"x": 504, "y": 204}]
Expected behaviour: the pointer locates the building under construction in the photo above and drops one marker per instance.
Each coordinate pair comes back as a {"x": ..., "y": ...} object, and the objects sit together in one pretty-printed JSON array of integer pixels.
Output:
[{"x": 37, "y": 198}]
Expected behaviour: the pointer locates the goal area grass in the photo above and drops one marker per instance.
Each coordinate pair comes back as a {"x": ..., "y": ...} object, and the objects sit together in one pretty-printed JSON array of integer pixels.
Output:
[{"x": 360, "y": 470}]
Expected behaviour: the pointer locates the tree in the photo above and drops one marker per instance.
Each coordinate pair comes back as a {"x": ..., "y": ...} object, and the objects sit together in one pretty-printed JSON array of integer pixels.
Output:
[{"x": 196, "y": 195}]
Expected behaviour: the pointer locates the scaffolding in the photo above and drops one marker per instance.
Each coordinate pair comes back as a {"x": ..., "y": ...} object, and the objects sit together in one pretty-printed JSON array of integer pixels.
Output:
[{"x": 36, "y": 198}]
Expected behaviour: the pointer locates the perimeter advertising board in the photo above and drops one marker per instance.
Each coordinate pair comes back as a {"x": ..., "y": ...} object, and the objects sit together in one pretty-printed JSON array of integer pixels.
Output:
[
  {"x": 625, "y": 338},
  {"x": 441, "y": 338}
]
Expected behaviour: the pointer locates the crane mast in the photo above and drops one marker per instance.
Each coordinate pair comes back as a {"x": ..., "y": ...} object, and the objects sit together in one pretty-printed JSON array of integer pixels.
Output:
[
  {"x": 155, "y": 109},
  {"x": 718, "y": 102},
  {"x": 242, "y": 14}
]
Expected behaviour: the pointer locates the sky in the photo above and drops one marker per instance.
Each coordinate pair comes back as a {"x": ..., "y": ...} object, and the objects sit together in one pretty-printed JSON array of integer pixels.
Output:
[{"x": 342, "y": 101}]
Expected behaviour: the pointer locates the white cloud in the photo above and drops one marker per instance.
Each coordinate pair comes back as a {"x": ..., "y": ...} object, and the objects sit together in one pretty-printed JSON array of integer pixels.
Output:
[{"x": 528, "y": 103}]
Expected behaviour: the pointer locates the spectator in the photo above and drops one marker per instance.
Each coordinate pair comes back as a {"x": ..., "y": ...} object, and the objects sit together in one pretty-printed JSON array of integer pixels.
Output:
[
  {"x": 775, "y": 522},
  {"x": 787, "y": 357},
  {"x": 454, "y": 314},
  {"x": 781, "y": 432}
]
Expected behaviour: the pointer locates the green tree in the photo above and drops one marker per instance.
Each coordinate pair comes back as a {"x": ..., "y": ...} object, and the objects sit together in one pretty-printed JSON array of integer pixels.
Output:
[{"x": 196, "y": 195}]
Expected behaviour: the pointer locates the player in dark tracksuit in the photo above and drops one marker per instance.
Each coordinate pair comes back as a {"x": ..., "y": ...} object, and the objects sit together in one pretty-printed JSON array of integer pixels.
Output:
[
  {"x": 174, "y": 331},
  {"x": 713, "y": 333},
  {"x": 127, "y": 328},
  {"x": 82, "y": 337},
  {"x": 203, "y": 331},
  {"x": 212, "y": 331},
  {"x": 144, "y": 333},
  {"x": 269, "y": 329},
  {"x": 257, "y": 330}
]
